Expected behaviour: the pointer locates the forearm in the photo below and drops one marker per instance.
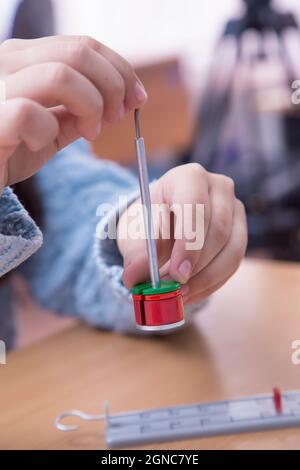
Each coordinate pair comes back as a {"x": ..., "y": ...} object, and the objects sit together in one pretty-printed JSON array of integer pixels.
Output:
[{"x": 69, "y": 275}]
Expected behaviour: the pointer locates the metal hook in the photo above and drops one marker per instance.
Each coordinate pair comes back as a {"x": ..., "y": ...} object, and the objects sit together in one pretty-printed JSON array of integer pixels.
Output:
[{"x": 79, "y": 414}]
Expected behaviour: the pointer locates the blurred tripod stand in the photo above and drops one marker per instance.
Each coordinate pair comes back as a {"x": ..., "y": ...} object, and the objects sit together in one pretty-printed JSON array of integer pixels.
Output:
[{"x": 248, "y": 128}]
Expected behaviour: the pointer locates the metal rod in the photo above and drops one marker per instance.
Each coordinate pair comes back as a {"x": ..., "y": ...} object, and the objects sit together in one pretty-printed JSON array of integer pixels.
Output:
[{"x": 146, "y": 202}]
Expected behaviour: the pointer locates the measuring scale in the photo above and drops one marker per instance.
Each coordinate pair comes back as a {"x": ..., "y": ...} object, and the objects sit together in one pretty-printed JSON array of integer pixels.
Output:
[{"x": 257, "y": 413}]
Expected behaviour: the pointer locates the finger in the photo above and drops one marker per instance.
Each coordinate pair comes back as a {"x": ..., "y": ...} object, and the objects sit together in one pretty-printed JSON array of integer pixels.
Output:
[
  {"x": 96, "y": 68},
  {"x": 76, "y": 49},
  {"x": 136, "y": 268},
  {"x": 186, "y": 192},
  {"x": 135, "y": 91},
  {"x": 136, "y": 94},
  {"x": 68, "y": 127},
  {"x": 136, "y": 265},
  {"x": 24, "y": 125},
  {"x": 222, "y": 200},
  {"x": 59, "y": 85},
  {"x": 132, "y": 241},
  {"x": 23, "y": 120},
  {"x": 226, "y": 262},
  {"x": 191, "y": 299}
]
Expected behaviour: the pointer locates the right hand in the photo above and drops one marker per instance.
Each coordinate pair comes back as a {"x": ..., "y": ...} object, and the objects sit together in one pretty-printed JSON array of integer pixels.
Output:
[
  {"x": 58, "y": 89},
  {"x": 200, "y": 269}
]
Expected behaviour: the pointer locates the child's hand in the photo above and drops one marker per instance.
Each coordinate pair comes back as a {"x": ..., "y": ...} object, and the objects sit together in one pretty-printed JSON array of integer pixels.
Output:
[
  {"x": 202, "y": 271},
  {"x": 57, "y": 89}
]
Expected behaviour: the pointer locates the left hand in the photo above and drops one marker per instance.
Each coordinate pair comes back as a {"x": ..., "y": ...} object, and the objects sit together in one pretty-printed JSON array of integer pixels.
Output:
[
  {"x": 58, "y": 89},
  {"x": 204, "y": 270}
]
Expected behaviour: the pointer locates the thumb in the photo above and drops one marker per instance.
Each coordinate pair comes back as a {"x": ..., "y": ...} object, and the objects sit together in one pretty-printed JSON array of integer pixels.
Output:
[
  {"x": 136, "y": 263},
  {"x": 136, "y": 268}
]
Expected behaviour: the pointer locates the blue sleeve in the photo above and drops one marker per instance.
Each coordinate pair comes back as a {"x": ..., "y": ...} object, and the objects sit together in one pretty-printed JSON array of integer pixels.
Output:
[
  {"x": 19, "y": 236},
  {"x": 76, "y": 273}
]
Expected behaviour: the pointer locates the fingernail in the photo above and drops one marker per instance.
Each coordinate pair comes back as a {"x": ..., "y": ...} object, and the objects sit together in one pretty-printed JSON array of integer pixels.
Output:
[
  {"x": 140, "y": 92},
  {"x": 121, "y": 112},
  {"x": 184, "y": 270},
  {"x": 185, "y": 290}
]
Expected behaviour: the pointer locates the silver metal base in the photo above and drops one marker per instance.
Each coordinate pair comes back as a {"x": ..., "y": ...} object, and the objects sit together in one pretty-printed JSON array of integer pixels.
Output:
[{"x": 170, "y": 326}]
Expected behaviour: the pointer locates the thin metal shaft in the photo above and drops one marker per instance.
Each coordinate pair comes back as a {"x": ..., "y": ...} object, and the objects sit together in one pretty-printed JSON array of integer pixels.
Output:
[{"x": 146, "y": 201}]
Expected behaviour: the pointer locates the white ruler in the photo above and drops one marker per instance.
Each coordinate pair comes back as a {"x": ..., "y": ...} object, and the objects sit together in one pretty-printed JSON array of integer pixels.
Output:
[
  {"x": 203, "y": 419},
  {"x": 257, "y": 413}
]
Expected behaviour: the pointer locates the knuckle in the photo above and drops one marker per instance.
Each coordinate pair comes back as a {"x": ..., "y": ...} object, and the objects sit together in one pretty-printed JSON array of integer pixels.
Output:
[
  {"x": 241, "y": 207},
  {"x": 87, "y": 41},
  {"x": 227, "y": 183},
  {"x": 191, "y": 172},
  {"x": 77, "y": 53},
  {"x": 24, "y": 111},
  {"x": 60, "y": 74},
  {"x": 195, "y": 169},
  {"x": 238, "y": 253},
  {"x": 223, "y": 182}
]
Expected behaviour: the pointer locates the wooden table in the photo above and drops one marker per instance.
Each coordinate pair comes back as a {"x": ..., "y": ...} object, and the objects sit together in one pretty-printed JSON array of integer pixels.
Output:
[{"x": 240, "y": 345}]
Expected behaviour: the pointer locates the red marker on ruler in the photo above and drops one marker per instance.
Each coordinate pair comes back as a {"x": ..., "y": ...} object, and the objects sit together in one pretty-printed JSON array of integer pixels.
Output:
[{"x": 277, "y": 399}]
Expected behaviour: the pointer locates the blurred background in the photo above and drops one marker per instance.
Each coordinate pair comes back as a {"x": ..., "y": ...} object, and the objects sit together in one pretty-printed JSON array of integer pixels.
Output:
[
  {"x": 219, "y": 80},
  {"x": 219, "y": 77}
]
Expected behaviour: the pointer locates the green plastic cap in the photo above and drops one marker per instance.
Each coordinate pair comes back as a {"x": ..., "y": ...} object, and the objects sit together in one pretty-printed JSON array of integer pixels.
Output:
[{"x": 147, "y": 289}]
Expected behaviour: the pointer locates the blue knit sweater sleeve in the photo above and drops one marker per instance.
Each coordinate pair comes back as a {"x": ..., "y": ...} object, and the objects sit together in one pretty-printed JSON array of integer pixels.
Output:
[
  {"x": 76, "y": 273},
  {"x": 19, "y": 236}
]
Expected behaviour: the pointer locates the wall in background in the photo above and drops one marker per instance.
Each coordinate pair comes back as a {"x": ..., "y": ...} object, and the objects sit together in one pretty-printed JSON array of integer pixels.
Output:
[{"x": 145, "y": 30}]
